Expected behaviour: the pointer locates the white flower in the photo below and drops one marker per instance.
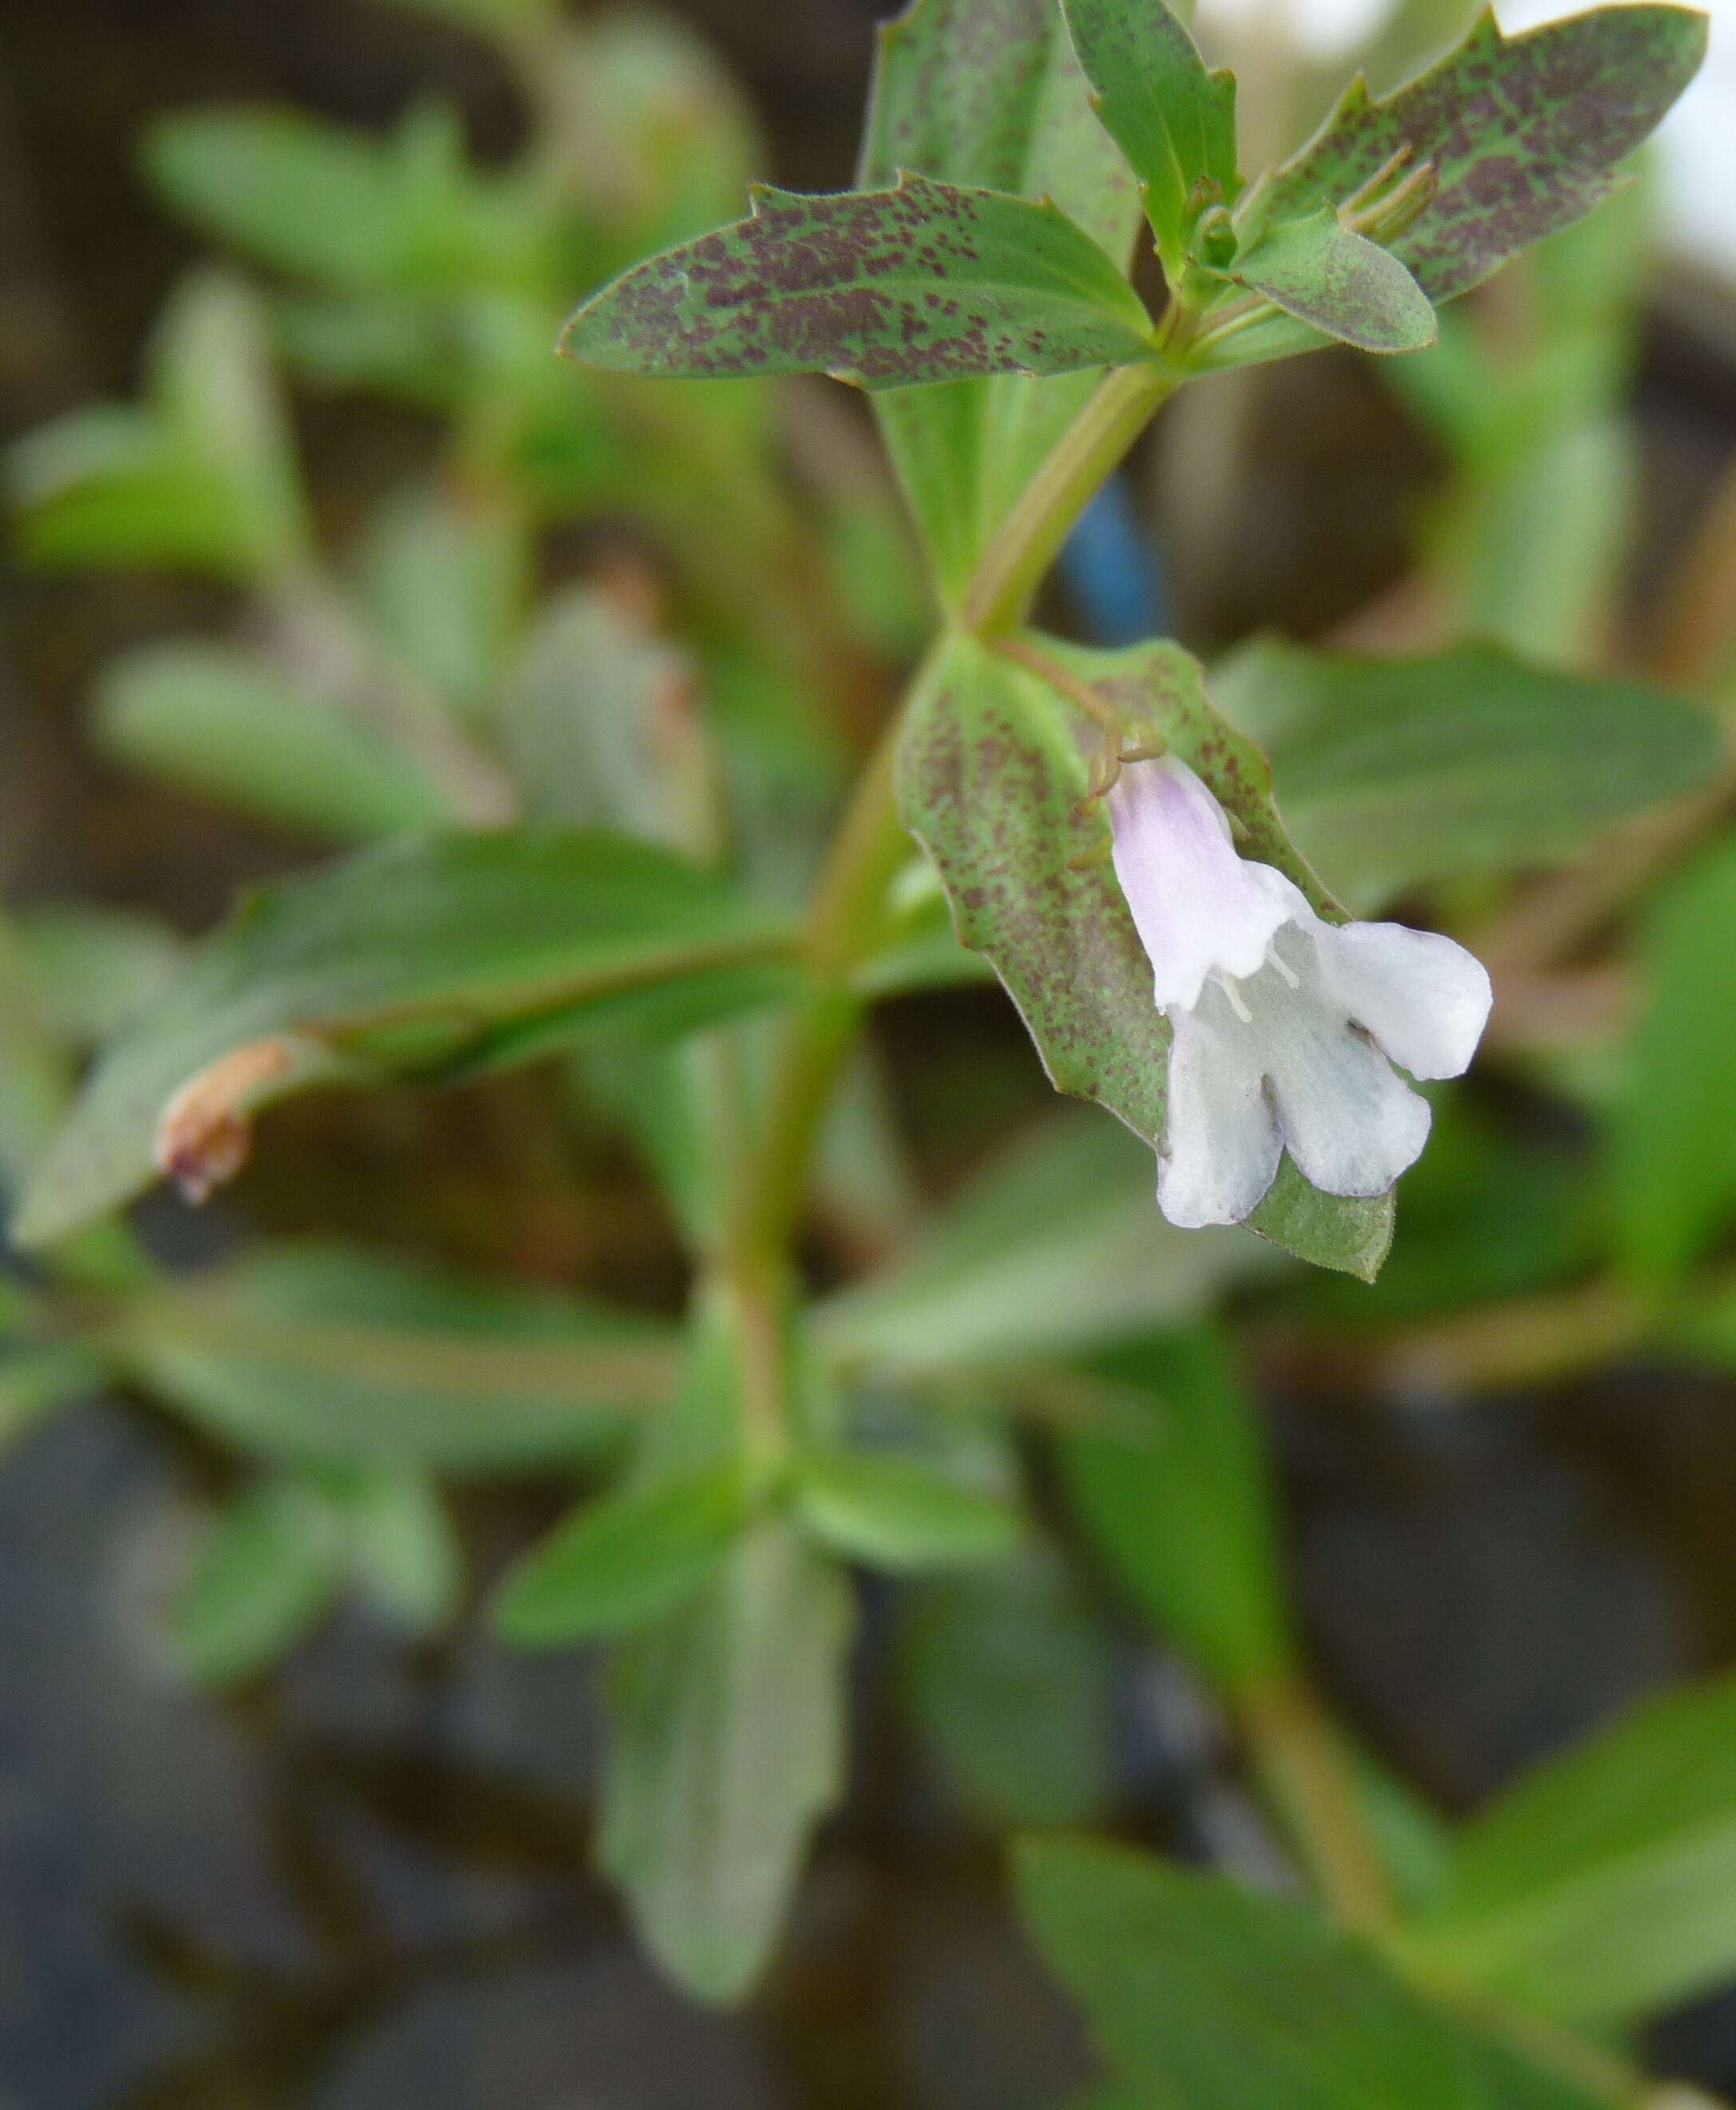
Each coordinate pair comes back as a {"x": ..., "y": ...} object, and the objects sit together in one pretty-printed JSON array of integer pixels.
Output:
[{"x": 1286, "y": 1028}]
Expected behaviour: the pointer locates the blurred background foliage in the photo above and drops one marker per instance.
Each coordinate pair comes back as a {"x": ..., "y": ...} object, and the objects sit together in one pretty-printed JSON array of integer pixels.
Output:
[{"x": 302, "y": 1745}]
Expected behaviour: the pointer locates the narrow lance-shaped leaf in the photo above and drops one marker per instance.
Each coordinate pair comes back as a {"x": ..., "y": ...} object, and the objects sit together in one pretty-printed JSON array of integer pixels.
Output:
[
  {"x": 1338, "y": 282},
  {"x": 1393, "y": 772},
  {"x": 327, "y": 1355},
  {"x": 1173, "y": 117},
  {"x": 1523, "y": 134},
  {"x": 1603, "y": 1886},
  {"x": 926, "y": 282},
  {"x": 988, "y": 93},
  {"x": 1215, "y": 1997},
  {"x": 728, "y": 1737},
  {"x": 411, "y": 957},
  {"x": 993, "y": 783}
]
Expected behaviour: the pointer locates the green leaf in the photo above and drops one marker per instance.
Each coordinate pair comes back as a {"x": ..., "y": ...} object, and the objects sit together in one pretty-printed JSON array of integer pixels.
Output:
[
  {"x": 327, "y": 1354},
  {"x": 91, "y": 968},
  {"x": 402, "y": 1548},
  {"x": 268, "y": 1571},
  {"x": 1524, "y": 134},
  {"x": 37, "y": 1379},
  {"x": 1672, "y": 1141},
  {"x": 204, "y": 476},
  {"x": 422, "y": 953},
  {"x": 1338, "y": 282},
  {"x": 1172, "y": 1491},
  {"x": 992, "y": 783},
  {"x": 445, "y": 576},
  {"x": 896, "y": 1514},
  {"x": 1395, "y": 772},
  {"x": 596, "y": 720},
  {"x": 217, "y": 722},
  {"x": 927, "y": 281},
  {"x": 1173, "y": 118},
  {"x": 328, "y": 203},
  {"x": 1602, "y": 1887},
  {"x": 1229, "y": 1999},
  {"x": 988, "y": 93},
  {"x": 1054, "y": 1249},
  {"x": 624, "y": 1561},
  {"x": 727, "y": 1746},
  {"x": 1013, "y": 1682}
]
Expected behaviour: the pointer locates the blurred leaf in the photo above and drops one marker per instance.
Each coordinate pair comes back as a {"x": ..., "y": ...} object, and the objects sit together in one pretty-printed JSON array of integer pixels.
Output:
[
  {"x": 325, "y": 1354},
  {"x": 1172, "y": 1490},
  {"x": 1219, "y": 1999},
  {"x": 989, "y": 92},
  {"x": 1336, "y": 281},
  {"x": 502, "y": 16},
  {"x": 993, "y": 783},
  {"x": 1395, "y": 772},
  {"x": 1057, "y": 1247},
  {"x": 594, "y": 720},
  {"x": 217, "y": 722},
  {"x": 1173, "y": 119},
  {"x": 1013, "y": 1683},
  {"x": 663, "y": 138},
  {"x": 402, "y": 1548},
  {"x": 1602, "y": 1887},
  {"x": 623, "y": 1561},
  {"x": 728, "y": 1744},
  {"x": 927, "y": 281},
  {"x": 408, "y": 955},
  {"x": 1672, "y": 1141},
  {"x": 271, "y": 1569},
  {"x": 445, "y": 576},
  {"x": 1535, "y": 549},
  {"x": 1524, "y": 135},
  {"x": 204, "y": 476},
  {"x": 91, "y": 968},
  {"x": 328, "y": 203},
  {"x": 895, "y": 1512},
  {"x": 37, "y": 1379}
]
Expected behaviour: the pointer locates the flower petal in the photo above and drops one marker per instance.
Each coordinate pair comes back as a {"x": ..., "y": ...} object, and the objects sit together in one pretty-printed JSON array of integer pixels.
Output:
[
  {"x": 1350, "y": 1122},
  {"x": 1195, "y": 904},
  {"x": 1223, "y": 1148},
  {"x": 1425, "y": 999}
]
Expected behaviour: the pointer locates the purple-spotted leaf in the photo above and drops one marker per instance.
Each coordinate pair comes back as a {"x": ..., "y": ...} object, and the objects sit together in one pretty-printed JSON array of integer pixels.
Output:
[
  {"x": 993, "y": 778},
  {"x": 1339, "y": 283},
  {"x": 1524, "y": 135},
  {"x": 925, "y": 282},
  {"x": 1173, "y": 118},
  {"x": 988, "y": 93}
]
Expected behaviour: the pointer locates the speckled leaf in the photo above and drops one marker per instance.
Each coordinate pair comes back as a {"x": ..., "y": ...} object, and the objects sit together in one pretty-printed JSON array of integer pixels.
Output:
[
  {"x": 988, "y": 92},
  {"x": 1339, "y": 282},
  {"x": 1173, "y": 118},
  {"x": 992, "y": 778},
  {"x": 925, "y": 282},
  {"x": 1526, "y": 134}
]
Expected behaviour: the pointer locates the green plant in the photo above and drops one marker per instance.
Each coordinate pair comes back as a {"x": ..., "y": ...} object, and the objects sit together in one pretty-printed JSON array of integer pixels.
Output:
[{"x": 595, "y": 830}]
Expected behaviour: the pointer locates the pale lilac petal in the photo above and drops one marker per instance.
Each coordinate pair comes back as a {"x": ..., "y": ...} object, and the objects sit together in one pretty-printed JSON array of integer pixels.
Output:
[
  {"x": 1194, "y": 903},
  {"x": 1223, "y": 1146},
  {"x": 1424, "y": 999}
]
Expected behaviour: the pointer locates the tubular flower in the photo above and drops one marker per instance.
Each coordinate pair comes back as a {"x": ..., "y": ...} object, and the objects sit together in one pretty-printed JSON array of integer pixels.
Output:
[{"x": 1286, "y": 1028}]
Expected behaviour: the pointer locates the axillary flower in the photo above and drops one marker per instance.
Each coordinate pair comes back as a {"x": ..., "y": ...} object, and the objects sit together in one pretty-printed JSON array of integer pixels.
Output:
[{"x": 1286, "y": 1028}]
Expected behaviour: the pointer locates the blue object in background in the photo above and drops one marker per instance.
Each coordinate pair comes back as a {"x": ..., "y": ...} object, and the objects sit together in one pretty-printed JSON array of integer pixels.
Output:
[{"x": 1112, "y": 572}]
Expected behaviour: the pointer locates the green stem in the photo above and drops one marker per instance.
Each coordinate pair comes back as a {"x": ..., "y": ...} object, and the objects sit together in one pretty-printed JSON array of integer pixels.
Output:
[
  {"x": 1302, "y": 1762},
  {"x": 1029, "y": 540},
  {"x": 846, "y": 918}
]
